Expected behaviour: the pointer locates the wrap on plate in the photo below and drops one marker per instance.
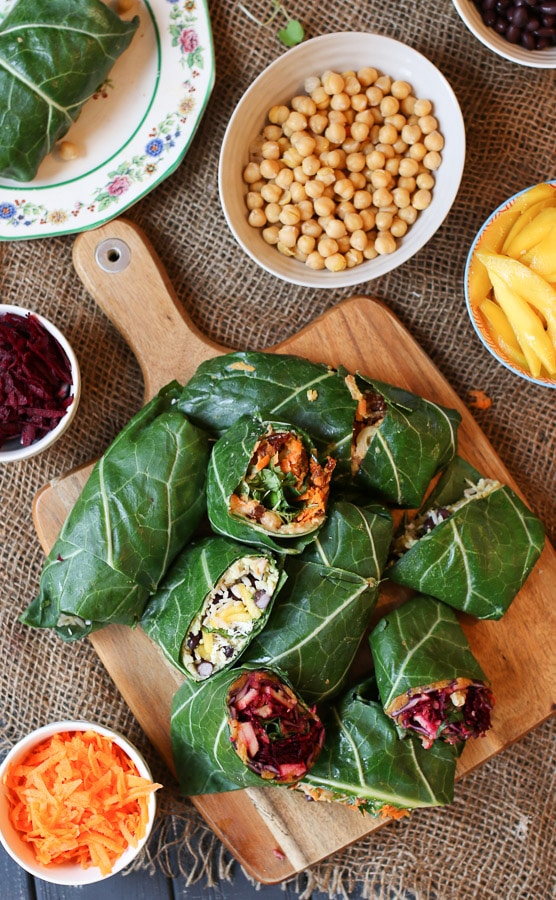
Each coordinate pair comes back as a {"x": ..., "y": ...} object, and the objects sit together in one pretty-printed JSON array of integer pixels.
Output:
[
  {"x": 400, "y": 441},
  {"x": 266, "y": 485},
  {"x": 312, "y": 396},
  {"x": 473, "y": 545},
  {"x": 244, "y": 727},
  {"x": 214, "y": 599},
  {"x": 54, "y": 54},
  {"x": 428, "y": 679},
  {"x": 141, "y": 504},
  {"x": 364, "y": 764},
  {"x": 319, "y": 620}
]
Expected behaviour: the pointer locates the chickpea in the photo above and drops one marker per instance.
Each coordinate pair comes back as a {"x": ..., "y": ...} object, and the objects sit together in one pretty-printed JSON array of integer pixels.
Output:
[
  {"x": 314, "y": 189},
  {"x": 278, "y": 115},
  {"x": 425, "y": 180},
  {"x": 421, "y": 199},
  {"x": 432, "y": 160},
  {"x": 408, "y": 184},
  {"x": 400, "y": 89},
  {"x": 306, "y": 243},
  {"x": 385, "y": 243},
  {"x": 359, "y": 102},
  {"x": 434, "y": 141},
  {"x": 368, "y": 217},
  {"x": 303, "y": 143},
  {"x": 381, "y": 178},
  {"x": 326, "y": 175},
  {"x": 352, "y": 85},
  {"x": 288, "y": 235},
  {"x": 251, "y": 173},
  {"x": 422, "y": 107},
  {"x": 297, "y": 192},
  {"x": 324, "y": 206},
  {"x": 340, "y": 101},
  {"x": 335, "y": 229},
  {"x": 269, "y": 168},
  {"x": 270, "y": 234},
  {"x": 344, "y": 188},
  {"x": 408, "y": 167},
  {"x": 318, "y": 123},
  {"x": 398, "y": 227},
  {"x": 384, "y": 82},
  {"x": 333, "y": 83},
  {"x": 367, "y": 75},
  {"x": 359, "y": 239},
  {"x": 315, "y": 260},
  {"x": 408, "y": 215},
  {"x": 254, "y": 200},
  {"x": 311, "y": 83},
  {"x": 271, "y": 193},
  {"x": 304, "y": 105},
  {"x": 312, "y": 228},
  {"x": 336, "y": 133},
  {"x": 362, "y": 199},
  {"x": 389, "y": 106},
  {"x": 272, "y": 133},
  {"x": 353, "y": 222},
  {"x": 257, "y": 218},
  {"x": 374, "y": 95},
  {"x": 417, "y": 151},
  {"x": 355, "y": 162},
  {"x": 383, "y": 220},
  {"x": 359, "y": 131},
  {"x": 375, "y": 160},
  {"x": 273, "y": 211},
  {"x": 353, "y": 258},
  {"x": 327, "y": 246},
  {"x": 320, "y": 97},
  {"x": 336, "y": 262}
]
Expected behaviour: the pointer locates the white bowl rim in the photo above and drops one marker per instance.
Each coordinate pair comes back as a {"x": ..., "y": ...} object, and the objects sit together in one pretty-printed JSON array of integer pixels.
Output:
[
  {"x": 73, "y": 874},
  {"x": 540, "y": 381},
  {"x": 20, "y": 453},
  {"x": 471, "y": 16},
  {"x": 381, "y": 265}
]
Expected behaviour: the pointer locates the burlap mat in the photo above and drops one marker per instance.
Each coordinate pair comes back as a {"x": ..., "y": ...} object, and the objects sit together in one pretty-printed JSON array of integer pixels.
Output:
[{"x": 497, "y": 839}]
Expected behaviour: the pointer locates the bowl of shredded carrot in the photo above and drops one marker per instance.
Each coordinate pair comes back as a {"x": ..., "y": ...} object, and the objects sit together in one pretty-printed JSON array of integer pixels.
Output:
[{"x": 77, "y": 802}]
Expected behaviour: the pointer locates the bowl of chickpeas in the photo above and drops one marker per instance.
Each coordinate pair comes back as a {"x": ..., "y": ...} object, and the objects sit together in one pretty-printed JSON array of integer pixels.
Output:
[{"x": 341, "y": 160}]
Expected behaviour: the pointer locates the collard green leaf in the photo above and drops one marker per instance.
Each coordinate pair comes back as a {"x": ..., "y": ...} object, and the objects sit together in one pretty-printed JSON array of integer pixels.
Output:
[
  {"x": 415, "y": 440},
  {"x": 203, "y": 751},
  {"x": 189, "y": 586},
  {"x": 316, "y": 627},
  {"x": 355, "y": 537},
  {"x": 321, "y": 615},
  {"x": 229, "y": 464},
  {"x": 363, "y": 763},
  {"x": 312, "y": 396},
  {"x": 141, "y": 504},
  {"x": 478, "y": 558},
  {"x": 419, "y": 644},
  {"x": 54, "y": 54}
]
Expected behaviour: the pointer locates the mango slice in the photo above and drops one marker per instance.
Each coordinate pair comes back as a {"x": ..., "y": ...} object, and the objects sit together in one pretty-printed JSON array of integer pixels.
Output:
[{"x": 501, "y": 332}]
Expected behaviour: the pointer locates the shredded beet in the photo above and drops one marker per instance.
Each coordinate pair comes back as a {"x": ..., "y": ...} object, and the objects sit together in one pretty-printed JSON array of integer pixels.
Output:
[
  {"x": 433, "y": 715},
  {"x": 275, "y": 734},
  {"x": 35, "y": 379}
]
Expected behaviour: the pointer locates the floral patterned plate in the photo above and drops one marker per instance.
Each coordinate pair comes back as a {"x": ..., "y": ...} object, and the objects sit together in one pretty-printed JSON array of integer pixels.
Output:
[{"x": 131, "y": 134}]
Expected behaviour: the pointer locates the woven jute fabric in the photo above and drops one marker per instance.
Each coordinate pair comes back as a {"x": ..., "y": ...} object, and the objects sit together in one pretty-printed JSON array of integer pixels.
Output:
[{"x": 497, "y": 838}]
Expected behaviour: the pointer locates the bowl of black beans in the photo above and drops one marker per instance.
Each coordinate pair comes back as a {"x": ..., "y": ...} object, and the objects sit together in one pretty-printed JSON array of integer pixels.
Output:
[{"x": 523, "y": 31}]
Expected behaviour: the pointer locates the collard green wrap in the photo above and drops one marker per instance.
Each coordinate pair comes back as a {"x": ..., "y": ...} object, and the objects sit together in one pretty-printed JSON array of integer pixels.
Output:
[
  {"x": 266, "y": 486},
  {"x": 428, "y": 679},
  {"x": 401, "y": 441},
  {"x": 141, "y": 504},
  {"x": 320, "y": 617},
  {"x": 387, "y": 440},
  {"x": 473, "y": 545},
  {"x": 364, "y": 764},
  {"x": 212, "y": 602},
  {"x": 244, "y": 727},
  {"x": 54, "y": 54},
  {"x": 313, "y": 396}
]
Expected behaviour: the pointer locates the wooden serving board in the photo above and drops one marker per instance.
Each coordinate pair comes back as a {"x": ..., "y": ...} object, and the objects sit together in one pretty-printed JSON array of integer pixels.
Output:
[{"x": 273, "y": 832}]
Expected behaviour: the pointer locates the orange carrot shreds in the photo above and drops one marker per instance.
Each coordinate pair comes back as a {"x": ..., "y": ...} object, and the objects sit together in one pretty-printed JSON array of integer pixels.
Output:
[
  {"x": 479, "y": 400},
  {"x": 78, "y": 798}
]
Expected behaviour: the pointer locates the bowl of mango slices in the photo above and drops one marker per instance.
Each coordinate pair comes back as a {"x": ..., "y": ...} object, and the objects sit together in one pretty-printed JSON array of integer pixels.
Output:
[{"x": 510, "y": 283}]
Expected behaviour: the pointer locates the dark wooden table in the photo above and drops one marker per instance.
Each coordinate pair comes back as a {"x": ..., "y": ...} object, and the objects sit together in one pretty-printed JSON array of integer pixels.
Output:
[{"x": 16, "y": 884}]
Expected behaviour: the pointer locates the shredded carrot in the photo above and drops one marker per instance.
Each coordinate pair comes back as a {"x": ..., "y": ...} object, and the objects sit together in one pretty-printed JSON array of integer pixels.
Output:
[
  {"x": 78, "y": 798},
  {"x": 479, "y": 400}
]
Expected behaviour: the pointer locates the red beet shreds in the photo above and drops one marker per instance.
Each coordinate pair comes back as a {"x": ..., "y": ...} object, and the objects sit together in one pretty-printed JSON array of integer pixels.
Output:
[{"x": 35, "y": 379}]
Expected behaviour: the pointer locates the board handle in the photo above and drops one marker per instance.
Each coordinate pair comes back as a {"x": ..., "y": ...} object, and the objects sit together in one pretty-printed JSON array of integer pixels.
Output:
[{"x": 120, "y": 268}]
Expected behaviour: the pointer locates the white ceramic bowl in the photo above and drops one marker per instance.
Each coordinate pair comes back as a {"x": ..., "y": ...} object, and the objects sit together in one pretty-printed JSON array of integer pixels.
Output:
[
  {"x": 483, "y": 236},
  {"x": 537, "y": 59},
  {"x": 13, "y": 450},
  {"x": 23, "y": 853},
  {"x": 285, "y": 78}
]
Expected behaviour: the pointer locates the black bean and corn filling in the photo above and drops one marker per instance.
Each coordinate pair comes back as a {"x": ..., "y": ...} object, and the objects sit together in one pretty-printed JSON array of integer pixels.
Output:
[{"x": 230, "y": 612}]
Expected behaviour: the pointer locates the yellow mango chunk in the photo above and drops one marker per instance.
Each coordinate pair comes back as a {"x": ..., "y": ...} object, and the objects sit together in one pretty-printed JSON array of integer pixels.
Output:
[
  {"x": 540, "y": 227},
  {"x": 535, "y": 343},
  {"x": 528, "y": 284},
  {"x": 501, "y": 332},
  {"x": 527, "y": 214},
  {"x": 542, "y": 258}
]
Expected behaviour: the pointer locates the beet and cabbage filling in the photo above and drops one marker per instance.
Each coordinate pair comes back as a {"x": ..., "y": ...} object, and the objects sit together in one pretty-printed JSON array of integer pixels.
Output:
[
  {"x": 284, "y": 489},
  {"x": 452, "y": 712},
  {"x": 35, "y": 379},
  {"x": 275, "y": 734}
]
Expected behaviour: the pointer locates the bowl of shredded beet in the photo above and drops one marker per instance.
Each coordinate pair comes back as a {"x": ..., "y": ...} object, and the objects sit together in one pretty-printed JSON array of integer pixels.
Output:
[
  {"x": 40, "y": 383},
  {"x": 523, "y": 31}
]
